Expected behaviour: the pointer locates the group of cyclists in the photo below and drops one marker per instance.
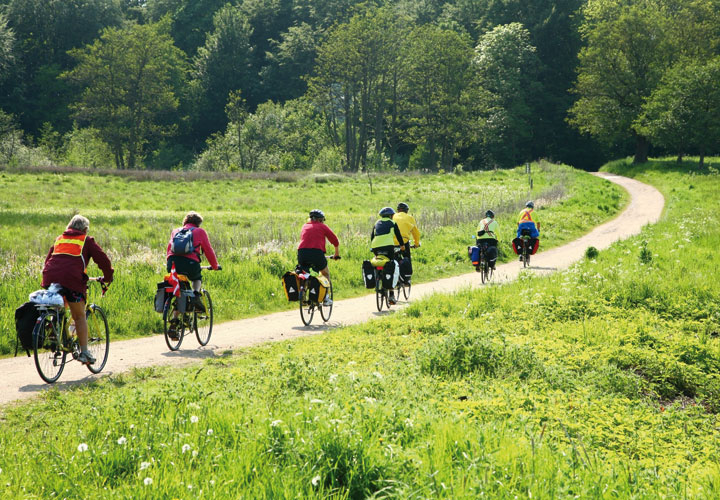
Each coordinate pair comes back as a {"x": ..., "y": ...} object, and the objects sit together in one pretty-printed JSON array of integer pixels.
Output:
[{"x": 67, "y": 260}]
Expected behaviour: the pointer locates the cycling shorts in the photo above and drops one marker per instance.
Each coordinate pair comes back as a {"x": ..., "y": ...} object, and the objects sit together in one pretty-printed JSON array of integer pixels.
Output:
[{"x": 312, "y": 257}]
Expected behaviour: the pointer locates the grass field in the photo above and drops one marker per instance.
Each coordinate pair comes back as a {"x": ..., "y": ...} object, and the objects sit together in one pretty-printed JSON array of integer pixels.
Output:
[
  {"x": 598, "y": 382},
  {"x": 254, "y": 225}
]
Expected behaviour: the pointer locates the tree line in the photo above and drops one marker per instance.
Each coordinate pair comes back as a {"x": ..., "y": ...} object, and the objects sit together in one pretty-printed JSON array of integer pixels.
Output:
[{"x": 344, "y": 85}]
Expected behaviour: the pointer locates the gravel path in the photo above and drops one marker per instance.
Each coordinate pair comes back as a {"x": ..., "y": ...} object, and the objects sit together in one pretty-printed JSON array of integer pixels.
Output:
[{"x": 21, "y": 381}]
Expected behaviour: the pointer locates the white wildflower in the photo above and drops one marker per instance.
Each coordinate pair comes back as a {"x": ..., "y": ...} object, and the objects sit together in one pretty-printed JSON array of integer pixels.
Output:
[
  {"x": 212, "y": 482},
  {"x": 147, "y": 481},
  {"x": 275, "y": 423},
  {"x": 316, "y": 480},
  {"x": 82, "y": 447},
  {"x": 377, "y": 375},
  {"x": 144, "y": 465},
  {"x": 185, "y": 448},
  {"x": 333, "y": 377},
  {"x": 132, "y": 426},
  {"x": 316, "y": 401},
  {"x": 194, "y": 453},
  {"x": 370, "y": 400},
  {"x": 209, "y": 432},
  {"x": 189, "y": 486},
  {"x": 122, "y": 440},
  {"x": 194, "y": 419}
]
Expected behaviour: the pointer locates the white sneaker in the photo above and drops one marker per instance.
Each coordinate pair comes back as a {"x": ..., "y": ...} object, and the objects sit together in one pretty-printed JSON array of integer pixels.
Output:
[{"x": 327, "y": 301}]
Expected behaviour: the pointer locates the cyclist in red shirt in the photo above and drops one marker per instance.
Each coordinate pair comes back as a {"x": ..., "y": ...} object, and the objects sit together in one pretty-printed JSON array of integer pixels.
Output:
[{"x": 311, "y": 250}]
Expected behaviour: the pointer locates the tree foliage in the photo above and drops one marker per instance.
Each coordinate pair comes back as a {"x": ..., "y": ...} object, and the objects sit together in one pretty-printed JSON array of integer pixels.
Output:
[{"x": 130, "y": 78}]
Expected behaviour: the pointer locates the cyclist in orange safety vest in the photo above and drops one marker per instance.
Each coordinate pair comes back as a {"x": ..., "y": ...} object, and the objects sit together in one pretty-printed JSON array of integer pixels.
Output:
[{"x": 528, "y": 221}]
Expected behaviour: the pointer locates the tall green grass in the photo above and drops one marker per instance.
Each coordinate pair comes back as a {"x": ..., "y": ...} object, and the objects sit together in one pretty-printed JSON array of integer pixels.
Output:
[
  {"x": 597, "y": 382},
  {"x": 254, "y": 224}
]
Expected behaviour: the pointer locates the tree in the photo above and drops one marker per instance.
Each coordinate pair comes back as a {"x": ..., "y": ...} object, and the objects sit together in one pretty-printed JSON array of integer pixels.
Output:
[
  {"x": 7, "y": 42},
  {"x": 436, "y": 78},
  {"x": 507, "y": 67},
  {"x": 222, "y": 65},
  {"x": 683, "y": 113},
  {"x": 627, "y": 49},
  {"x": 356, "y": 76},
  {"x": 130, "y": 80}
]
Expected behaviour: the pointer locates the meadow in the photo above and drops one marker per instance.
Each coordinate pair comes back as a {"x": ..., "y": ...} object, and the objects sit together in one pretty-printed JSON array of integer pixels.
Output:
[
  {"x": 597, "y": 382},
  {"x": 254, "y": 223}
]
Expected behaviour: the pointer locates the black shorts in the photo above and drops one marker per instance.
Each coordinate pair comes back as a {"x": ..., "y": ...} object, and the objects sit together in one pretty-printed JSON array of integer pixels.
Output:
[
  {"x": 71, "y": 295},
  {"x": 312, "y": 257},
  {"x": 183, "y": 265}
]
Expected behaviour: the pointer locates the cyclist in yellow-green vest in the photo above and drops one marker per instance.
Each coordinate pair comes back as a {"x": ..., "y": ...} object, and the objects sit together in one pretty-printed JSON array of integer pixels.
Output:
[
  {"x": 486, "y": 238},
  {"x": 384, "y": 234}
]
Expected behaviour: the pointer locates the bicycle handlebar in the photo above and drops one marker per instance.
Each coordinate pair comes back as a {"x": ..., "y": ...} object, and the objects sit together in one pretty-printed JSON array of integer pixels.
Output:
[
  {"x": 332, "y": 257},
  {"x": 209, "y": 268},
  {"x": 104, "y": 286}
]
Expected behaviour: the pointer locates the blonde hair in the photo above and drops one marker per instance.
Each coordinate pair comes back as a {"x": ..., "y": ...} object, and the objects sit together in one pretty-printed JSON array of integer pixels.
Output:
[
  {"x": 79, "y": 223},
  {"x": 193, "y": 217}
]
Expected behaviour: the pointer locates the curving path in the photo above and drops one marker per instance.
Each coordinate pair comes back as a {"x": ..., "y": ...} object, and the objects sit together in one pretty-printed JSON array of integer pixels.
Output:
[{"x": 21, "y": 381}]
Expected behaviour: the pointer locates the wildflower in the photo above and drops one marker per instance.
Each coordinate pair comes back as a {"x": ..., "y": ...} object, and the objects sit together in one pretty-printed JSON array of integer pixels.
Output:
[
  {"x": 132, "y": 426},
  {"x": 185, "y": 447},
  {"x": 333, "y": 378},
  {"x": 316, "y": 401},
  {"x": 316, "y": 480},
  {"x": 212, "y": 482},
  {"x": 144, "y": 465},
  {"x": 194, "y": 419},
  {"x": 209, "y": 432},
  {"x": 377, "y": 375},
  {"x": 275, "y": 423},
  {"x": 122, "y": 440},
  {"x": 370, "y": 400},
  {"x": 147, "y": 481},
  {"x": 189, "y": 486},
  {"x": 82, "y": 447},
  {"x": 194, "y": 453}
]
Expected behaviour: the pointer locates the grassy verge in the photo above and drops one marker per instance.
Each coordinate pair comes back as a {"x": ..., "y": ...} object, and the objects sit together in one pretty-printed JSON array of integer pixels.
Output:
[
  {"x": 254, "y": 224},
  {"x": 598, "y": 382}
]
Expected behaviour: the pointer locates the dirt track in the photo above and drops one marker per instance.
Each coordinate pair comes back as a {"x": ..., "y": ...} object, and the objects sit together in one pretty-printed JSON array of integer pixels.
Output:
[{"x": 21, "y": 381}]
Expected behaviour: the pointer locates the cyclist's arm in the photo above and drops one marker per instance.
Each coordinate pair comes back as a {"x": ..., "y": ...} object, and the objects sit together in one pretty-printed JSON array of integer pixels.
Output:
[
  {"x": 96, "y": 253},
  {"x": 333, "y": 239},
  {"x": 201, "y": 239},
  {"x": 416, "y": 235}
]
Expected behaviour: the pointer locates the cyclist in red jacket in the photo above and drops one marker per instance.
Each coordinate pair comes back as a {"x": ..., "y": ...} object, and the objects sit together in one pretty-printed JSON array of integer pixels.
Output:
[{"x": 311, "y": 250}]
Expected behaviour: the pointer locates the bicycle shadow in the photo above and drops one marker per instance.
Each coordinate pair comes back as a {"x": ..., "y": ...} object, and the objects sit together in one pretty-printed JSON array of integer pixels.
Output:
[
  {"x": 63, "y": 385},
  {"x": 540, "y": 268},
  {"x": 315, "y": 328},
  {"x": 192, "y": 353}
]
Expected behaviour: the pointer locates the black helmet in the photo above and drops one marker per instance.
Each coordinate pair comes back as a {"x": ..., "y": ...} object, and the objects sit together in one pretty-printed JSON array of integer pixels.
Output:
[
  {"x": 402, "y": 207},
  {"x": 387, "y": 212},
  {"x": 490, "y": 214},
  {"x": 317, "y": 214},
  {"x": 530, "y": 204}
]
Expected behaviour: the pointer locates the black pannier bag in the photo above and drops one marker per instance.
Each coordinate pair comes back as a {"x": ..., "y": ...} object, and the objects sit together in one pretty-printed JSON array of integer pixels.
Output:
[
  {"x": 290, "y": 285},
  {"x": 368, "y": 272},
  {"x": 389, "y": 275},
  {"x": 25, "y": 318},
  {"x": 160, "y": 296},
  {"x": 313, "y": 289},
  {"x": 406, "y": 268}
]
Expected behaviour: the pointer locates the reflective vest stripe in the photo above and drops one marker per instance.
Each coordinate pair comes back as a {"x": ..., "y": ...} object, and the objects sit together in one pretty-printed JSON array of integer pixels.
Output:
[
  {"x": 526, "y": 216},
  {"x": 69, "y": 245}
]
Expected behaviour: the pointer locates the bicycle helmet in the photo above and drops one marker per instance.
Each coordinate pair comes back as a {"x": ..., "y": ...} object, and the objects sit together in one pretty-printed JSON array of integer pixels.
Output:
[
  {"x": 403, "y": 207},
  {"x": 530, "y": 204},
  {"x": 317, "y": 214},
  {"x": 490, "y": 214},
  {"x": 387, "y": 212}
]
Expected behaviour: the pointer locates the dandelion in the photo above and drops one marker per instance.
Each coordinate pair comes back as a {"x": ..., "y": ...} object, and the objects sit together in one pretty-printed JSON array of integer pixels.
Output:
[
  {"x": 82, "y": 447},
  {"x": 185, "y": 448},
  {"x": 144, "y": 465},
  {"x": 209, "y": 432},
  {"x": 316, "y": 480},
  {"x": 122, "y": 440},
  {"x": 194, "y": 419},
  {"x": 147, "y": 481},
  {"x": 275, "y": 423}
]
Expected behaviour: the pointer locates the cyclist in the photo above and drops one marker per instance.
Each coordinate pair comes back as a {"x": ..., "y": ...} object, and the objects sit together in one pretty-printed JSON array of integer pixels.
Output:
[
  {"x": 384, "y": 234},
  {"x": 528, "y": 220},
  {"x": 189, "y": 263},
  {"x": 311, "y": 250},
  {"x": 408, "y": 227},
  {"x": 66, "y": 263},
  {"x": 487, "y": 237}
]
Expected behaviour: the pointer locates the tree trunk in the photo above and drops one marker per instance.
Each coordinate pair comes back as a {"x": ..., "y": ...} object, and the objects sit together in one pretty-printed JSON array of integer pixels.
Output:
[
  {"x": 679, "y": 158},
  {"x": 642, "y": 145}
]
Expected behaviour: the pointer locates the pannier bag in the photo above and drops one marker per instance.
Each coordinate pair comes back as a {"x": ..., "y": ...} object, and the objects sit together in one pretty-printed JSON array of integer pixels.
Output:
[
  {"x": 25, "y": 318},
  {"x": 517, "y": 245},
  {"x": 368, "y": 272},
  {"x": 406, "y": 268},
  {"x": 182, "y": 242},
  {"x": 316, "y": 291},
  {"x": 161, "y": 296},
  {"x": 390, "y": 275},
  {"x": 291, "y": 286},
  {"x": 475, "y": 255}
]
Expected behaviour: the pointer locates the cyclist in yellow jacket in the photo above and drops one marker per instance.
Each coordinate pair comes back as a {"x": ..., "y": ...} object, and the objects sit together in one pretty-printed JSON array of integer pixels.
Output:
[{"x": 408, "y": 227}]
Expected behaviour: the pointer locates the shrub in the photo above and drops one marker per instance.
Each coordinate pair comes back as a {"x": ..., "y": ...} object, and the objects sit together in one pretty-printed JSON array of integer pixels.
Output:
[{"x": 591, "y": 253}]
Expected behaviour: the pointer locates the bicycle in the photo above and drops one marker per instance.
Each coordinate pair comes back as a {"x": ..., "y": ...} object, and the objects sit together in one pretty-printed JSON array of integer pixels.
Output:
[
  {"x": 403, "y": 285},
  {"x": 181, "y": 308},
  {"x": 526, "y": 250},
  {"x": 486, "y": 272},
  {"x": 308, "y": 306},
  {"x": 382, "y": 295},
  {"x": 53, "y": 340}
]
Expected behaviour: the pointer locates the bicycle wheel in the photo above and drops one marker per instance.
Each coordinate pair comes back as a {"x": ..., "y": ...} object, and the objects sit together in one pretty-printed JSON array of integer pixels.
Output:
[
  {"x": 379, "y": 299},
  {"x": 203, "y": 322},
  {"x": 483, "y": 271},
  {"x": 526, "y": 258},
  {"x": 49, "y": 358},
  {"x": 307, "y": 310},
  {"x": 98, "y": 337},
  {"x": 406, "y": 290},
  {"x": 173, "y": 342},
  {"x": 326, "y": 311}
]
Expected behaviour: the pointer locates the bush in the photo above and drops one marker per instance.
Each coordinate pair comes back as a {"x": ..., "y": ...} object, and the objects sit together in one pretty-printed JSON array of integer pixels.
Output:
[{"x": 83, "y": 147}]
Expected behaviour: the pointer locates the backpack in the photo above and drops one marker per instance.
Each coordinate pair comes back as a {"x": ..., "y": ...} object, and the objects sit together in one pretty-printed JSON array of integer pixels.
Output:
[
  {"x": 25, "y": 318},
  {"x": 182, "y": 242}
]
